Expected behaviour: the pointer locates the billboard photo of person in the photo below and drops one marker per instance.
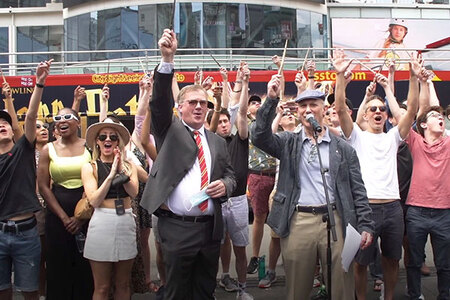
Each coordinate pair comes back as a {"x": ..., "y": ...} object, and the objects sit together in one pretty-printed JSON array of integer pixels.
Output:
[{"x": 397, "y": 31}]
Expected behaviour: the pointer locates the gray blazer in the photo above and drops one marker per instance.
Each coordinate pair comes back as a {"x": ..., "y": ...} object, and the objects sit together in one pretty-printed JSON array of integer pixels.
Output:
[
  {"x": 177, "y": 152},
  {"x": 349, "y": 191}
]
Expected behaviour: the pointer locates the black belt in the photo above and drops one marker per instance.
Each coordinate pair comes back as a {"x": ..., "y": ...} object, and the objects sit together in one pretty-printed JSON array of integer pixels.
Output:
[
  {"x": 262, "y": 173},
  {"x": 167, "y": 213},
  {"x": 315, "y": 210},
  {"x": 17, "y": 226}
]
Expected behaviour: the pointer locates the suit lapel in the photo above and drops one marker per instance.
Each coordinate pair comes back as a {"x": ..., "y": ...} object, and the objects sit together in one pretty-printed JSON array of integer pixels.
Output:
[{"x": 335, "y": 160}]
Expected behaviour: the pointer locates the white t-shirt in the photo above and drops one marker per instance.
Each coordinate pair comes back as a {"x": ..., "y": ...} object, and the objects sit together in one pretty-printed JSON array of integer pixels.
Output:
[{"x": 377, "y": 155}]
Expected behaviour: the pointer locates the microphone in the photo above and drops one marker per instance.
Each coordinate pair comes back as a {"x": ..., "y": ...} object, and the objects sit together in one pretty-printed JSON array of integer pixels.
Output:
[{"x": 315, "y": 125}]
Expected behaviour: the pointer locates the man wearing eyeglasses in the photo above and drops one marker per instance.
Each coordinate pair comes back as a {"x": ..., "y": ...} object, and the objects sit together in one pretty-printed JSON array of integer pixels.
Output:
[
  {"x": 377, "y": 152},
  {"x": 191, "y": 177},
  {"x": 19, "y": 239}
]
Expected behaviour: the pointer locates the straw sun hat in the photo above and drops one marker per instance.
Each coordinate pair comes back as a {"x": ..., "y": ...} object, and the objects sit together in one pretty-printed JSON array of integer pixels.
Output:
[{"x": 94, "y": 129}]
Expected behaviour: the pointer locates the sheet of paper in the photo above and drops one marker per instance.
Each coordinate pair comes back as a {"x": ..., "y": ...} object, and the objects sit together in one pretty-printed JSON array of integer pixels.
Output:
[{"x": 351, "y": 246}]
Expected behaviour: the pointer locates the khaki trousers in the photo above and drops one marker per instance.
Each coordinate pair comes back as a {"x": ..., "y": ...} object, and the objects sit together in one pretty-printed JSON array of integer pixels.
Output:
[{"x": 307, "y": 240}]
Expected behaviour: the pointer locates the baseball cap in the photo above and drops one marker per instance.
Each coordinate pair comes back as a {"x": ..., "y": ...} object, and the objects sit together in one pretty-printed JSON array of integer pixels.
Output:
[
  {"x": 310, "y": 94},
  {"x": 5, "y": 115}
]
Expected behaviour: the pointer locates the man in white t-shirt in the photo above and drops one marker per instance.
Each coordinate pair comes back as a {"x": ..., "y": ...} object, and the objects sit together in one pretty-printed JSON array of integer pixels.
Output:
[{"x": 377, "y": 153}]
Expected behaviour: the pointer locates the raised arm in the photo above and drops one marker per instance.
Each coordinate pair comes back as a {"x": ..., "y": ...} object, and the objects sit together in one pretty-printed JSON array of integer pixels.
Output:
[
  {"x": 407, "y": 120},
  {"x": 300, "y": 82},
  {"x": 148, "y": 146},
  {"x": 145, "y": 93},
  {"x": 104, "y": 103},
  {"x": 311, "y": 69},
  {"x": 428, "y": 96},
  {"x": 241, "y": 123},
  {"x": 78, "y": 95},
  {"x": 237, "y": 89},
  {"x": 162, "y": 99},
  {"x": 175, "y": 87},
  {"x": 225, "y": 92},
  {"x": 340, "y": 65},
  {"x": 217, "y": 109},
  {"x": 370, "y": 90},
  {"x": 391, "y": 75},
  {"x": 42, "y": 72},
  {"x": 277, "y": 61},
  {"x": 9, "y": 105},
  {"x": 393, "y": 104}
]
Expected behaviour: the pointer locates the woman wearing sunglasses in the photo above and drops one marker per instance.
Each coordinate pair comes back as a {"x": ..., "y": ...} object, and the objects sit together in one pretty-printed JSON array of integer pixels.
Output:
[
  {"x": 111, "y": 237},
  {"x": 59, "y": 177}
]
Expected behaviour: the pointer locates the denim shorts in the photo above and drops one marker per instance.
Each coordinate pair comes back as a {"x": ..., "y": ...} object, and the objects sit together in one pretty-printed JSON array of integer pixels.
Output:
[
  {"x": 21, "y": 251},
  {"x": 389, "y": 226}
]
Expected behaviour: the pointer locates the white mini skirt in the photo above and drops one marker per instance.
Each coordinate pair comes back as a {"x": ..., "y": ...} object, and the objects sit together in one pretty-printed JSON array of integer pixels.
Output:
[{"x": 111, "y": 238}]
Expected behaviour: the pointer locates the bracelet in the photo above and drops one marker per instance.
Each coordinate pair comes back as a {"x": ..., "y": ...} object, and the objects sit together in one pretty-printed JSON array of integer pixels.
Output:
[
  {"x": 39, "y": 85},
  {"x": 238, "y": 81},
  {"x": 237, "y": 91},
  {"x": 217, "y": 111},
  {"x": 311, "y": 76}
]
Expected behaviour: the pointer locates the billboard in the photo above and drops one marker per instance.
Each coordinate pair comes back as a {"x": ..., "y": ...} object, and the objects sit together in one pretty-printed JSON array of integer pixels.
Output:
[{"x": 395, "y": 34}]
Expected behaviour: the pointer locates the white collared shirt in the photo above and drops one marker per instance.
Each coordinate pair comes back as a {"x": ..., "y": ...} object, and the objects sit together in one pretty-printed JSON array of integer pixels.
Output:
[{"x": 178, "y": 201}]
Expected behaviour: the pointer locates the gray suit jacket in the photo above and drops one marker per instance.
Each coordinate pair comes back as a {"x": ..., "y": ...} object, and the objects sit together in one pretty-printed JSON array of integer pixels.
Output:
[
  {"x": 177, "y": 152},
  {"x": 349, "y": 191}
]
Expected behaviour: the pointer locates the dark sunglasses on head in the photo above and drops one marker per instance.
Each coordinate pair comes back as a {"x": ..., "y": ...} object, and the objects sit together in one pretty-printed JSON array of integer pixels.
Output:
[
  {"x": 203, "y": 103},
  {"x": 65, "y": 117},
  {"x": 39, "y": 126},
  {"x": 112, "y": 137},
  {"x": 374, "y": 108}
]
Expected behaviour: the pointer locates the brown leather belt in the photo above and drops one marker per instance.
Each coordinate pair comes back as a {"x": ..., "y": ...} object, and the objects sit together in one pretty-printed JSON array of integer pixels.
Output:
[{"x": 262, "y": 173}]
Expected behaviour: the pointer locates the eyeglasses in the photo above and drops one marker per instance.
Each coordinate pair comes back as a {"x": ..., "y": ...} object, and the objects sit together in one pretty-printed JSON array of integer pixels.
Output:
[
  {"x": 112, "y": 137},
  {"x": 66, "y": 117},
  {"x": 433, "y": 114},
  {"x": 194, "y": 103},
  {"x": 374, "y": 108},
  {"x": 287, "y": 114},
  {"x": 39, "y": 126}
]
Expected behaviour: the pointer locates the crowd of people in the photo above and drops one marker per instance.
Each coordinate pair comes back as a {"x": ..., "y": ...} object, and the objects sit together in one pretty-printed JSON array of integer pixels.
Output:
[{"x": 200, "y": 161}]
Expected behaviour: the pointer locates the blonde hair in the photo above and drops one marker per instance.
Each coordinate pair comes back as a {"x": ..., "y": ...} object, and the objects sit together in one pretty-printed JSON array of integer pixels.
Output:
[{"x": 126, "y": 166}]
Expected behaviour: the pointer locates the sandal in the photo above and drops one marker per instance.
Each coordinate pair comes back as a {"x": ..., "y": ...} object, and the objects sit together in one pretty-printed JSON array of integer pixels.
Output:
[
  {"x": 153, "y": 287},
  {"x": 377, "y": 285}
]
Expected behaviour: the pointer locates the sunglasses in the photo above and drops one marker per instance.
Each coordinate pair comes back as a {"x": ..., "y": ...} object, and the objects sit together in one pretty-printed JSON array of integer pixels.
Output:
[
  {"x": 194, "y": 103},
  {"x": 254, "y": 102},
  {"x": 374, "y": 108},
  {"x": 66, "y": 117},
  {"x": 39, "y": 126},
  {"x": 112, "y": 137}
]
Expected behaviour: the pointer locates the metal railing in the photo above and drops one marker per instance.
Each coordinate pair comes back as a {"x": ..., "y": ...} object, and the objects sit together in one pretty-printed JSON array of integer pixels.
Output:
[{"x": 192, "y": 59}]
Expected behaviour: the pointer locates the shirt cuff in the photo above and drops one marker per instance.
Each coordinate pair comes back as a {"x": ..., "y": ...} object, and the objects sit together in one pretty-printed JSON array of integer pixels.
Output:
[{"x": 165, "y": 67}]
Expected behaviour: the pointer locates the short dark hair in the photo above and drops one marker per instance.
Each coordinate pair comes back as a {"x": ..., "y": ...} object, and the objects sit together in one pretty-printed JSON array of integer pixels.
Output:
[
  {"x": 423, "y": 117},
  {"x": 223, "y": 111}
]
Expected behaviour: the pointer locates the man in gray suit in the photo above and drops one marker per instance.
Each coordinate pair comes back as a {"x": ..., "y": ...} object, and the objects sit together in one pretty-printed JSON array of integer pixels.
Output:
[
  {"x": 189, "y": 180},
  {"x": 299, "y": 202}
]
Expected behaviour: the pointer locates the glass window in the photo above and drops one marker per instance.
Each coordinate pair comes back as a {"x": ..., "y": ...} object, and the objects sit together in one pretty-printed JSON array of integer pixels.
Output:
[
  {"x": 147, "y": 27},
  {"x": 38, "y": 39},
  {"x": 4, "y": 44},
  {"x": 129, "y": 30},
  {"x": 279, "y": 25},
  {"x": 214, "y": 25},
  {"x": 189, "y": 34},
  {"x": 318, "y": 38}
]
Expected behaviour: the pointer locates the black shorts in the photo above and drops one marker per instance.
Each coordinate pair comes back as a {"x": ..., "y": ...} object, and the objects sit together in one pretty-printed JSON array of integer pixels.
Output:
[{"x": 389, "y": 226}]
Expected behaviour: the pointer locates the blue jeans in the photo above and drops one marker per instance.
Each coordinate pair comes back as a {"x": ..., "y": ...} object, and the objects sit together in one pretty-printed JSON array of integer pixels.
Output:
[
  {"x": 420, "y": 222},
  {"x": 23, "y": 251}
]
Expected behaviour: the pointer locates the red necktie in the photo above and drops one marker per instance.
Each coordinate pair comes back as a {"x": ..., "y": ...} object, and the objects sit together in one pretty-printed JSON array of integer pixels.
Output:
[{"x": 201, "y": 159}]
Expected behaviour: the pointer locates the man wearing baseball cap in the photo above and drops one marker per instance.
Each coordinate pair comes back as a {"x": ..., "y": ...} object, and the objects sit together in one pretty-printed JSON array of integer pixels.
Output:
[{"x": 300, "y": 203}]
